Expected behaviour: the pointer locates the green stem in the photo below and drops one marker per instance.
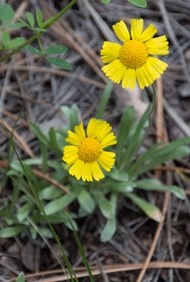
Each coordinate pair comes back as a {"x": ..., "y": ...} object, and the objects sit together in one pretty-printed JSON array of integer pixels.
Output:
[
  {"x": 36, "y": 35},
  {"x": 152, "y": 96}
]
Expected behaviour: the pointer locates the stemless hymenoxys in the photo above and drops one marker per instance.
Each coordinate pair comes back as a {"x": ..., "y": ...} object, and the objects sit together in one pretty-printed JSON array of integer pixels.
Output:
[
  {"x": 132, "y": 61},
  {"x": 86, "y": 156}
]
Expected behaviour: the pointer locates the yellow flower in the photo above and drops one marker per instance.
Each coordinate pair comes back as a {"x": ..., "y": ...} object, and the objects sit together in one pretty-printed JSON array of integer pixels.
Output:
[
  {"x": 86, "y": 153},
  {"x": 130, "y": 61}
]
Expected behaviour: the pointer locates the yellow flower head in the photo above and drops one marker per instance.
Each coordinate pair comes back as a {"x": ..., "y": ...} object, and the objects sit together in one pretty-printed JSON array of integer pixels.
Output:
[
  {"x": 131, "y": 61},
  {"x": 86, "y": 156}
]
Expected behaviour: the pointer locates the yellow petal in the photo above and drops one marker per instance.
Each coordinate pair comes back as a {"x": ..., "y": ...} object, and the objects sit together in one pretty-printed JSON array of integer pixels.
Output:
[
  {"x": 148, "y": 33},
  {"x": 92, "y": 127},
  {"x": 72, "y": 138},
  {"x": 140, "y": 78},
  {"x": 158, "y": 46},
  {"x": 115, "y": 71},
  {"x": 129, "y": 79},
  {"x": 151, "y": 66},
  {"x": 110, "y": 51},
  {"x": 77, "y": 169},
  {"x": 70, "y": 154},
  {"x": 121, "y": 31},
  {"x": 103, "y": 130},
  {"x": 96, "y": 171},
  {"x": 157, "y": 64},
  {"x": 147, "y": 75},
  {"x": 79, "y": 130},
  {"x": 70, "y": 149},
  {"x": 107, "y": 160},
  {"x": 108, "y": 140},
  {"x": 87, "y": 173},
  {"x": 70, "y": 159},
  {"x": 136, "y": 28}
]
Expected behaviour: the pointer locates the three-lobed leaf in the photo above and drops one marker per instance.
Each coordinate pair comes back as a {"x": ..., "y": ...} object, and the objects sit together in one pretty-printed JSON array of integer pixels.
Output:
[
  {"x": 56, "y": 49},
  {"x": 6, "y": 13},
  {"x": 20, "y": 277},
  {"x": 61, "y": 63},
  {"x": 30, "y": 19},
  {"x": 139, "y": 3}
]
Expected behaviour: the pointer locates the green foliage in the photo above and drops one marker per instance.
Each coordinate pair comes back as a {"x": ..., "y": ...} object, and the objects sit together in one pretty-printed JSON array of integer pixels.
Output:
[
  {"x": 39, "y": 200},
  {"x": 138, "y": 3},
  {"x": 104, "y": 100},
  {"x": 37, "y": 26},
  {"x": 6, "y": 24},
  {"x": 6, "y": 14},
  {"x": 20, "y": 277},
  {"x": 106, "y": 1},
  {"x": 125, "y": 179}
]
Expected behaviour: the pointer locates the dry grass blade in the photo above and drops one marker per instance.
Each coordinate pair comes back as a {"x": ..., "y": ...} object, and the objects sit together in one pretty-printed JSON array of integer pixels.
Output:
[
  {"x": 56, "y": 275},
  {"x": 9, "y": 131}
]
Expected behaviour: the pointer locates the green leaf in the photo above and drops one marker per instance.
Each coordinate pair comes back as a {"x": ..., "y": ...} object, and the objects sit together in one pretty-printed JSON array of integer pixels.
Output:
[
  {"x": 37, "y": 29},
  {"x": 21, "y": 168},
  {"x": 109, "y": 230},
  {"x": 9, "y": 232},
  {"x": 45, "y": 232},
  {"x": 119, "y": 175},
  {"x": 118, "y": 187},
  {"x": 139, "y": 3},
  {"x": 70, "y": 223},
  {"x": 12, "y": 26},
  {"x": 16, "y": 42},
  {"x": 149, "y": 209},
  {"x": 156, "y": 185},
  {"x": 53, "y": 143},
  {"x": 30, "y": 18},
  {"x": 105, "y": 1},
  {"x": 32, "y": 50},
  {"x": 56, "y": 49},
  {"x": 39, "y": 18},
  {"x": 20, "y": 277},
  {"x": 50, "y": 193},
  {"x": 86, "y": 201},
  {"x": 59, "y": 63},
  {"x": 163, "y": 155},
  {"x": 137, "y": 137},
  {"x": 6, "y": 13},
  {"x": 24, "y": 24},
  {"x": 39, "y": 134},
  {"x": 104, "y": 100},
  {"x": 124, "y": 130},
  {"x": 5, "y": 38},
  {"x": 23, "y": 212},
  {"x": 59, "y": 204},
  {"x": 104, "y": 205},
  {"x": 72, "y": 114}
]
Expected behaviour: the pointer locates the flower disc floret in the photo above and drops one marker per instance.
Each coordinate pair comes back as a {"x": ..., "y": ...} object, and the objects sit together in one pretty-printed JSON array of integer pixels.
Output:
[
  {"x": 89, "y": 150},
  {"x": 85, "y": 155},
  {"x": 133, "y": 54},
  {"x": 133, "y": 60}
]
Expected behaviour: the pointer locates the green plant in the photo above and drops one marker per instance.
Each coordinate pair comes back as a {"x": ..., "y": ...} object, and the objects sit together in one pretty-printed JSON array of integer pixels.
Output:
[
  {"x": 125, "y": 179},
  {"x": 37, "y": 26}
]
